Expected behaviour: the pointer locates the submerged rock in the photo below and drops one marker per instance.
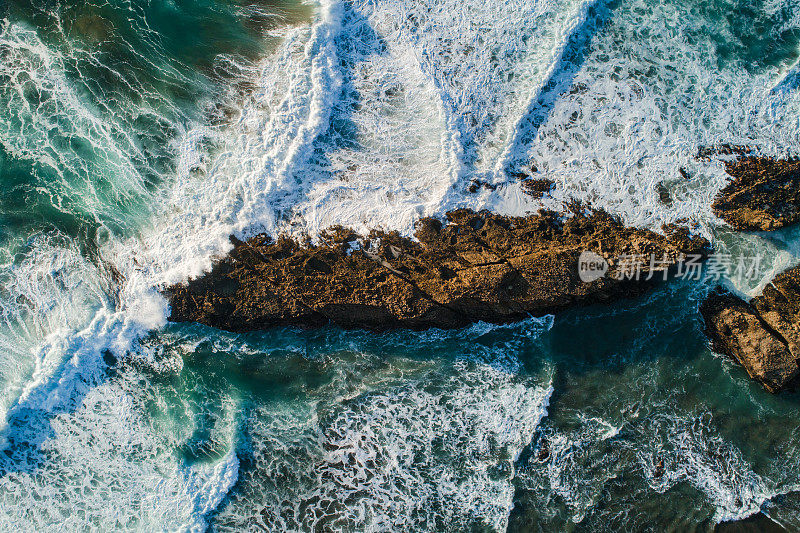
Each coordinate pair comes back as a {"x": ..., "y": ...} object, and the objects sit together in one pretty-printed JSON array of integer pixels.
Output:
[
  {"x": 762, "y": 335},
  {"x": 476, "y": 266},
  {"x": 763, "y": 196},
  {"x": 663, "y": 194},
  {"x": 707, "y": 152},
  {"x": 537, "y": 187}
]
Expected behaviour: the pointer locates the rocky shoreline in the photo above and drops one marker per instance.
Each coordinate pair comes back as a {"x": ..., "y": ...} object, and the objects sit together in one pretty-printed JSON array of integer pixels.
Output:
[
  {"x": 763, "y": 334},
  {"x": 479, "y": 266},
  {"x": 473, "y": 267}
]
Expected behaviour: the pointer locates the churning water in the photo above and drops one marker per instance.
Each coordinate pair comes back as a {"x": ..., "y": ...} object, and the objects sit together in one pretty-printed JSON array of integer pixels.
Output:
[{"x": 137, "y": 135}]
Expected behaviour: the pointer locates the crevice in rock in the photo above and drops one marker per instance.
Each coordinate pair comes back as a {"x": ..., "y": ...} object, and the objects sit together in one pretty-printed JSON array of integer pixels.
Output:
[{"x": 403, "y": 277}]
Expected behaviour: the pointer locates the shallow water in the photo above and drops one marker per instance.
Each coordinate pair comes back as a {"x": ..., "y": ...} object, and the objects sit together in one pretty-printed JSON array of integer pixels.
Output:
[{"x": 136, "y": 136}]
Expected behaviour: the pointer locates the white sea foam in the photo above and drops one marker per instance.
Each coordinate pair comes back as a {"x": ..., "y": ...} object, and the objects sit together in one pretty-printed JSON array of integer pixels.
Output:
[
  {"x": 438, "y": 450},
  {"x": 576, "y": 467},
  {"x": 48, "y": 291},
  {"x": 209, "y": 486},
  {"x": 692, "y": 452},
  {"x": 671, "y": 449},
  {"x": 110, "y": 464},
  {"x": 766, "y": 255},
  {"x": 628, "y": 125},
  {"x": 63, "y": 310},
  {"x": 377, "y": 114},
  {"x": 60, "y": 305}
]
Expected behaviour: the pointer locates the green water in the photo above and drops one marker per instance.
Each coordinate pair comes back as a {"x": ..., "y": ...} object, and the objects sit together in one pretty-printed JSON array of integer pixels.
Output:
[
  {"x": 136, "y": 135},
  {"x": 645, "y": 427}
]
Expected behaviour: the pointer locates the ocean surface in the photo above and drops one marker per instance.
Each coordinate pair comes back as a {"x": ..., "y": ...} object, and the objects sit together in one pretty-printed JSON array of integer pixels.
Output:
[{"x": 137, "y": 135}]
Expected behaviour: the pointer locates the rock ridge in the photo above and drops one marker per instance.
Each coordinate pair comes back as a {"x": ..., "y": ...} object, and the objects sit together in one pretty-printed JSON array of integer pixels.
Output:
[
  {"x": 476, "y": 266},
  {"x": 764, "y": 194}
]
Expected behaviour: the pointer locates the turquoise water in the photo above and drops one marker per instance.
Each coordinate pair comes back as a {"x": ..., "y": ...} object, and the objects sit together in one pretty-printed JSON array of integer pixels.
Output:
[{"x": 136, "y": 136}]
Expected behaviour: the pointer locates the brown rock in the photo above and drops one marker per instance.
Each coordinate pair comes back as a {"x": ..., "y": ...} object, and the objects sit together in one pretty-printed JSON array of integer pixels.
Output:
[
  {"x": 779, "y": 307},
  {"x": 764, "y": 194},
  {"x": 477, "y": 266},
  {"x": 763, "y": 335},
  {"x": 737, "y": 330},
  {"x": 663, "y": 193}
]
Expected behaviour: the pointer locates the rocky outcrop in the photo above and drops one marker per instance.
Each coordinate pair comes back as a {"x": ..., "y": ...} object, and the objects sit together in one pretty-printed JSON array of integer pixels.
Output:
[
  {"x": 764, "y": 334},
  {"x": 764, "y": 194},
  {"x": 475, "y": 266}
]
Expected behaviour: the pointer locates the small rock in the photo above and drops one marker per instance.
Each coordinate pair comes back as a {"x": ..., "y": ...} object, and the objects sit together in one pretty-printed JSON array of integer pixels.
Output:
[
  {"x": 537, "y": 187},
  {"x": 663, "y": 194},
  {"x": 544, "y": 451},
  {"x": 658, "y": 472}
]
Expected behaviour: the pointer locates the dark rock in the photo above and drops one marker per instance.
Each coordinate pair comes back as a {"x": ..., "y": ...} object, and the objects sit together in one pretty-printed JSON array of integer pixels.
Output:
[
  {"x": 659, "y": 470},
  {"x": 544, "y": 451},
  {"x": 475, "y": 185},
  {"x": 477, "y": 266},
  {"x": 764, "y": 194},
  {"x": 707, "y": 152},
  {"x": 762, "y": 335},
  {"x": 757, "y": 523},
  {"x": 663, "y": 194},
  {"x": 537, "y": 187}
]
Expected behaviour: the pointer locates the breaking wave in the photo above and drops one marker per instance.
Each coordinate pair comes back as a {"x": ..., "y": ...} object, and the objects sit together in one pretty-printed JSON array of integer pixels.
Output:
[{"x": 139, "y": 161}]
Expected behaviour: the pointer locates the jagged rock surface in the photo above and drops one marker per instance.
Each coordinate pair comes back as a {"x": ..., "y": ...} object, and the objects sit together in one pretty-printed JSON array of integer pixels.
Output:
[
  {"x": 762, "y": 335},
  {"x": 477, "y": 266},
  {"x": 763, "y": 196}
]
